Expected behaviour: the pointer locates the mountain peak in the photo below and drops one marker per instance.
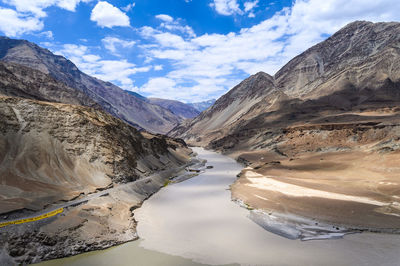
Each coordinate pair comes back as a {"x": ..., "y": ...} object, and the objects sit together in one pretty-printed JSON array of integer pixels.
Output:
[
  {"x": 354, "y": 44},
  {"x": 262, "y": 74}
]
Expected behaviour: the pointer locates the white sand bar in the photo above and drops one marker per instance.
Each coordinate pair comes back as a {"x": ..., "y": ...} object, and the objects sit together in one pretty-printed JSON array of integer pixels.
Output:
[{"x": 268, "y": 183}]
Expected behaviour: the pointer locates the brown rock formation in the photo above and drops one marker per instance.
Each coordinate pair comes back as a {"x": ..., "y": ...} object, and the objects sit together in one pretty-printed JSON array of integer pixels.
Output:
[
  {"x": 52, "y": 153},
  {"x": 111, "y": 98}
]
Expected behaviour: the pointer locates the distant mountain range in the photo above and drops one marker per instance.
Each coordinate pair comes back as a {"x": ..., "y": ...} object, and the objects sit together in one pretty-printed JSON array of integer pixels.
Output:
[
  {"x": 183, "y": 110},
  {"x": 153, "y": 115},
  {"x": 201, "y": 106},
  {"x": 180, "y": 109},
  {"x": 130, "y": 108}
]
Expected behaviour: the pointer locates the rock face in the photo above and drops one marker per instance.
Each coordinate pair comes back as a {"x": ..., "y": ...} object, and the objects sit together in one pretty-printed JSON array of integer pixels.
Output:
[
  {"x": 51, "y": 153},
  {"x": 227, "y": 111},
  {"x": 19, "y": 81},
  {"x": 201, "y": 106},
  {"x": 111, "y": 98},
  {"x": 184, "y": 111},
  {"x": 327, "y": 122}
]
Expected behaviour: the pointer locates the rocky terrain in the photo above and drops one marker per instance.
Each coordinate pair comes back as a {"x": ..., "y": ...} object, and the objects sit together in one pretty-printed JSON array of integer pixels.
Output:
[
  {"x": 52, "y": 153},
  {"x": 114, "y": 100},
  {"x": 320, "y": 138},
  {"x": 19, "y": 81},
  {"x": 183, "y": 110},
  {"x": 201, "y": 106}
]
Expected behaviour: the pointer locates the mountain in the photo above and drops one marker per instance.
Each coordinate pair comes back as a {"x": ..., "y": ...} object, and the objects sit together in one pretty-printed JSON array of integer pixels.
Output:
[
  {"x": 180, "y": 109},
  {"x": 111, "y": 98},
  {"x": 137, "y": 95},
  {"x": 325, "y": 125},
  {"x": 354, "y": 68},
  {"x": 201, "y": 106},
  {"x": 19, "y": 81},
  {"x": 54, "y": 154},
  {"x": 60, "y": 148}
]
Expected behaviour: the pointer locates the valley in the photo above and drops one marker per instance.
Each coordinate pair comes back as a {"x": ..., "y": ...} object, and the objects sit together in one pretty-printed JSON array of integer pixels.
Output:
[
  {"x": 296, "y": 168},
  {"x": 320, "y": 138}
]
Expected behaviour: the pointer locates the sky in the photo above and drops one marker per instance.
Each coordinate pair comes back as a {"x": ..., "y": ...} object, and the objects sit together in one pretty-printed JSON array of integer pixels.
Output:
[{"x": 187, "y": 50}]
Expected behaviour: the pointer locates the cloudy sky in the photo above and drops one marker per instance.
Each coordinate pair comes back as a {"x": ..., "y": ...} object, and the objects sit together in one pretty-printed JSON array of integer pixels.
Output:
[{"x": 189, "y": 50}]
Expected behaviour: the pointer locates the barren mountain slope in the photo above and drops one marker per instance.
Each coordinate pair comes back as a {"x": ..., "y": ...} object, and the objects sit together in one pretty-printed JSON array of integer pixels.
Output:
[
  {"x": 322, "y": 138},
  {"x": 180, "y": 109},
  {"x": 219, "y": 119},
  {"x": 363, "y": 55},
  {"x": 202, "y": 106},
  {"x": 51, "y": 153},
  {"x": 20, "y": 81},
  {"x": 354, "y": 67},
  {"x": 110, "y": 97}
]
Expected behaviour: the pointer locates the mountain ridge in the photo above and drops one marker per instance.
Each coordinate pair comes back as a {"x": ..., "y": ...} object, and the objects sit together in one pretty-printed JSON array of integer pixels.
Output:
[
  {"x": 328, "y": 120},
  {"x": 180, "y": 109},
  {"x": 201, "y": 106},
  {"x": 306, "y": 67},
  {"x": 112, "y": 99}
]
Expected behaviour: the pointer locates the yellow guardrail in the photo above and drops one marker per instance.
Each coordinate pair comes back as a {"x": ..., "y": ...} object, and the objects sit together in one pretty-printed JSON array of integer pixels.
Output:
[{"x": 33, "y": 219}]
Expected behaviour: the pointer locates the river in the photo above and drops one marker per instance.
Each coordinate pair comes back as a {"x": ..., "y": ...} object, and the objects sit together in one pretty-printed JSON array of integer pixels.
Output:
[{"x": 196, "y": 222}]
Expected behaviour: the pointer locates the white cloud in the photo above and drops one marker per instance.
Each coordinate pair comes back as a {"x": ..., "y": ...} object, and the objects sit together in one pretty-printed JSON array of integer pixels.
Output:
[
  {"x": 248, "y": 6},
  {"x": 226, "y": 7},
  {"x": 157, "y": 85},
  {"x": 128, "y": 7},
  {"x": 174, "y": 25},
  {"x": 47, "y": 34},
  {"x": 165, "y": 18},
  {"x": 70, "y": 5},
  {"x": 158, "y": 67},
  {"x": 210, "y": 64},
  {"x": 36, "y": 7},
  {"x": 117, "y": 71},
  {"x": 113, "y": 43},
  {"x": 232, "y": 7},
  {"x": 28, "y": 14},
  {"x": 107, "y": 15},
  {"x": 13, "y": 24}
]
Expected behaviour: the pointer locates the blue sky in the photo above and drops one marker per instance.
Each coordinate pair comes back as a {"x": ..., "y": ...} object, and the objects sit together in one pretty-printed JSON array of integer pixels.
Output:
[{"x": 189, "y": 50}]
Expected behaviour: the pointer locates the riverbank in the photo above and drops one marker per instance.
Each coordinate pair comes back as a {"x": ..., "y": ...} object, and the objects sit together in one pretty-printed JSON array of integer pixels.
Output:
[
  {"x": 321, "y": 195},
  {"x": 195, "y": 222},
  {"x": 96, "y": 221},
  {"x": 196, "y": 219}
]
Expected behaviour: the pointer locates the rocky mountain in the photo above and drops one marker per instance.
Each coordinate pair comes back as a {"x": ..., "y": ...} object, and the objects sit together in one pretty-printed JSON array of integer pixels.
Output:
[
  {"x": 201, "y": 106},
  {"x": 354, "y": 67},
  {"x": 19, "y": 81},
  {"x": 111, "y": 98},
  {"x": 54, "y": 153},
  {"x": 180, "y": 109},
  {"x": 326, "y": 124},
  {"x": 137, "y": 95}
]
